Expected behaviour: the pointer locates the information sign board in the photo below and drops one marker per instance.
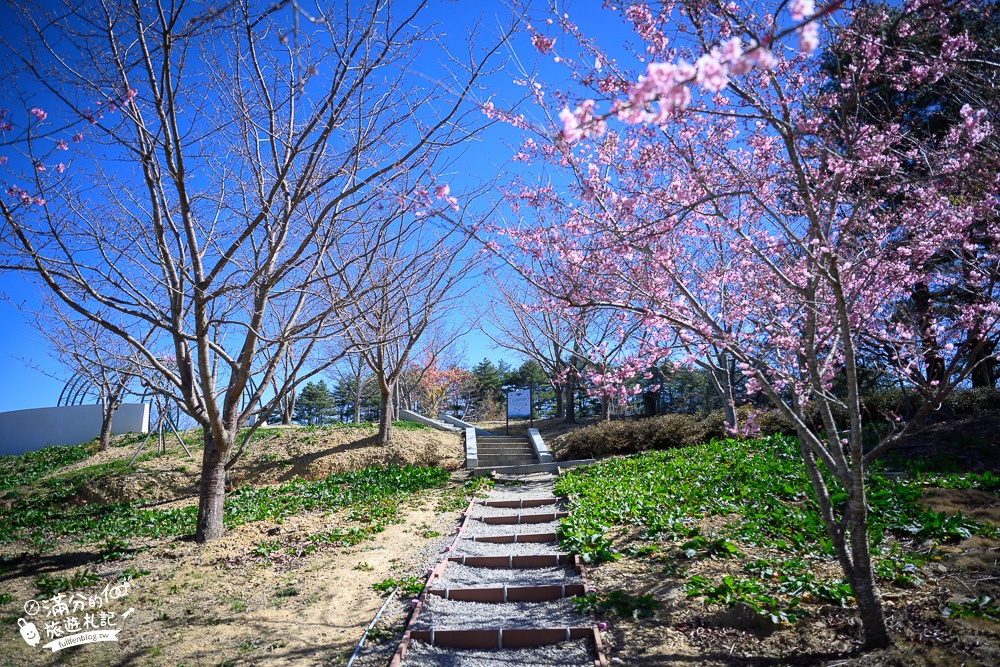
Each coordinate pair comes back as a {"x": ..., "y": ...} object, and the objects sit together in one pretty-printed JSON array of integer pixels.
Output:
[{"x": 519, "y": 403}]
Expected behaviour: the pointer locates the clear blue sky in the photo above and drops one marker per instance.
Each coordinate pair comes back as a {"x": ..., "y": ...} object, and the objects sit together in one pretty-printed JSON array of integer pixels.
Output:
[{"x": 25, "y": 367}]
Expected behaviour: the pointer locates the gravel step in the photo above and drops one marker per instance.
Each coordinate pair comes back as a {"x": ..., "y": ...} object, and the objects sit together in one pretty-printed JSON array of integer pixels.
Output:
[
  {"x": 473, "y": 548},
  {"x": 518, "y": 503},
  {"x": 486, "y": 510},
  {"x": 456, "y": 575},
  {"x": 439, "y": 613},
  {"x": 576, "y": 653},
  {"x": 480, "y": 529}
]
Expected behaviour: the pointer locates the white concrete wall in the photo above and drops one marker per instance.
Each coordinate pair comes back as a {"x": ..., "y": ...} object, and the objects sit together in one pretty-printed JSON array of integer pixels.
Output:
[{"x": 27, "y": 430}]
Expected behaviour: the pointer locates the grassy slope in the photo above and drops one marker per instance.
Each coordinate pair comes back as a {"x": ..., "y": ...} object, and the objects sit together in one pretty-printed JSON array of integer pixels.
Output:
[{"x": 732, "y": 525}]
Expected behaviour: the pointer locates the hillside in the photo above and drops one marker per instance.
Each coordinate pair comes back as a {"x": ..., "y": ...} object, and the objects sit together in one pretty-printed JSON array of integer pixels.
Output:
[{"x": 311, "y": 526}]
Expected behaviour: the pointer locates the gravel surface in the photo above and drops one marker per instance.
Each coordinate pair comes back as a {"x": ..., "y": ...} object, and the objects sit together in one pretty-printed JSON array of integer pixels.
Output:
[
  {"x": 534, "y": 486},
  {"x": 480, "y": 529},
  {"x": 452, "y": 614},
  {"x": 484, "y": 510},
  {"x": 473, "y": 548},
  {"x": 457, "y": 575},
  {"x": 576, "y": 653}
]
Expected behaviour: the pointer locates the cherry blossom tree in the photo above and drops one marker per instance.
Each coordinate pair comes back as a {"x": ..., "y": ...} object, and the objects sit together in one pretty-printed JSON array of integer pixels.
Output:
[
  {"x": 209, "y": 171},
  {"x": 716, "y": 184}
]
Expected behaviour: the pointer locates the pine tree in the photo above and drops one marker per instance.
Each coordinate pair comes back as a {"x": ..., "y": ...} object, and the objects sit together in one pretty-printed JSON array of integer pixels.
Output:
[{"x": 316, "y": 405}]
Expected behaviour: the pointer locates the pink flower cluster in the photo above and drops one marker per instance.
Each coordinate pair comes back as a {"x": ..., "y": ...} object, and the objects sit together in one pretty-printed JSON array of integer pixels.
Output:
[
  {"x": 542, "y": 43},
  {"x": 581, "y": 122},
  {"x": 444, "y": 192},
  {"x": 809, "y": 32}
]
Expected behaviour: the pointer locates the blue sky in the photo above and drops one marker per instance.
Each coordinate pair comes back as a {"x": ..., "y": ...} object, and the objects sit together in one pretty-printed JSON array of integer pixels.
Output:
[{"x": 27, "y": 371}]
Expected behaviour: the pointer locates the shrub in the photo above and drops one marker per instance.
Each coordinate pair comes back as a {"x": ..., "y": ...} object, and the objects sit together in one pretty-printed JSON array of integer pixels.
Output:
[{"x": 630, "y": 436}]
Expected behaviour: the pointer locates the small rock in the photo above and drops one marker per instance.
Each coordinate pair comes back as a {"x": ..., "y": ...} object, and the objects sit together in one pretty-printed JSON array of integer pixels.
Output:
[
  {"x": 941, "y": 568},
  {"x": 616, "y": 661}
]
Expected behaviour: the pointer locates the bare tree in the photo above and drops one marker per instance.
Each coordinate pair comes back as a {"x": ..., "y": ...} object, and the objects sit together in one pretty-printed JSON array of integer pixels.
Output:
[
  {"x": 534, "y": 331},
  {"x": 414, "y": 281},
  {"x": 567, "y": 343},
  {"x": 101, "y": 365},
  {"x": 231, "y": 164}
]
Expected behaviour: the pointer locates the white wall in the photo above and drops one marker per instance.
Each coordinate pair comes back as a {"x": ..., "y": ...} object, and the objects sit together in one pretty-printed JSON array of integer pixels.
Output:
[{"x": 27, "y": 430}]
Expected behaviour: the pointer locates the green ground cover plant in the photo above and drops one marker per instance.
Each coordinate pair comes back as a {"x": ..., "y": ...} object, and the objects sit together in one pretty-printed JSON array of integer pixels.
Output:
[
  {"x": 617, "y": 603},
  {"x": 407, "y": 585},
  {"x": 656, "y": 499},
  {"x": 372, "y": 495},
  {"x": 25, "y": 468}
]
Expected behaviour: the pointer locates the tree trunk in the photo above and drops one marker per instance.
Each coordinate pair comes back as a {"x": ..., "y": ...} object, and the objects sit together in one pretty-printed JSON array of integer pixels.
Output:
[
  {"x": 107, "y": 415},
  {"x": 605, "y": 409},
  {"x": 357, "y": 398},
  {"x": 212, "y": 491},
  {"x": 850, "y": 542},
  {"x": 386, "y": 417},
  {"x": 928, "y": 335},
  {"x": 983, "y": 365},
  {"x": 288, "y": 408},
  {"x": 571, "y": 401},
  {"x": 558, "y": 391}
]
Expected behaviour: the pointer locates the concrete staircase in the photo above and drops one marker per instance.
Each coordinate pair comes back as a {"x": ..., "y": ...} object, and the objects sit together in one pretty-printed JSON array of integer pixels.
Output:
[{"x": 502, "y": 450}]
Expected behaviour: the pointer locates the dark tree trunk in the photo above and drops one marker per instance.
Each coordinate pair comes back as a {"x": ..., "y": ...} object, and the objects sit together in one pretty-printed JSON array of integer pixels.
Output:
[
  {"x": 386, "y": 417},
  {"x": 288, "y": 408},
  {"x": 557, "y": 389},
  {"x": 107, "y": 416},
  {"x": 983, "y": 365},
  {"x": 850, "y": 542},
  {"x": 571, "y": 401},
  {"x": 212, "y": 491},
  {"x": 928, "y": 337}
]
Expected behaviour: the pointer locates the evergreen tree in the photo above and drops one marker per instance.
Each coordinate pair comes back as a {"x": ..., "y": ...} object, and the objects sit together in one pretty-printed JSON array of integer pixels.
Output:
[{"x": 316, "y": 405}]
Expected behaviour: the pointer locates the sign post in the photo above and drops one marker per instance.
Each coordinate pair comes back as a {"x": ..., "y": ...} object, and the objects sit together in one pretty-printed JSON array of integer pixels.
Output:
[{"x": 518, "y": 405}]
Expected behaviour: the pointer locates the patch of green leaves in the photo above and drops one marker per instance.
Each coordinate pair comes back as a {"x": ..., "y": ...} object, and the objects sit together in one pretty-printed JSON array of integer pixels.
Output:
[
  {"x": 24, "y": 469},
  {"x": 409, "y": 426},
  {"x": 407, "y": 585},
  {"x": 761, "y": 483},
  {"x": 617, "y": 603},
  {"x": 49, "y": 585},
  {"x": 981, "y": 607},
  {"x": 373, "y": 494},
  {"x": 732, "y": 591}
]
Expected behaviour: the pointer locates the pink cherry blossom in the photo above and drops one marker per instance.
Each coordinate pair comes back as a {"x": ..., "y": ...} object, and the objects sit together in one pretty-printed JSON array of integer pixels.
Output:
[{"x": 39, "y": 113}]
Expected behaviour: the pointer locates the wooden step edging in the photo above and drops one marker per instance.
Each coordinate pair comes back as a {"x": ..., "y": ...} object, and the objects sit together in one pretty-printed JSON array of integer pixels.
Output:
[
  {"x": 513, "y": 538},
  {"x": 539, "y": 593},
  {"x": 519, "y": 562},
  {"x": 499, "y": 638},
  {"x": 519, "y": 504},
  {"x": 521, "y": 519}
]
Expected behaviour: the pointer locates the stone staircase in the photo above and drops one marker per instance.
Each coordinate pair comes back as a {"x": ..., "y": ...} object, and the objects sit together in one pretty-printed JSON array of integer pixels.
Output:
[
  {"x": 502, "y": 596},
  {"x": 502, "y": 450}
]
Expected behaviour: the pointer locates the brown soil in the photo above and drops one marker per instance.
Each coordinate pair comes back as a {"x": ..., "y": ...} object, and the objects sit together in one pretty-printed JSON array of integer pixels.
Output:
[
  {"x": 686, "y": 631},
  {"x": 220, "y": 603}
]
